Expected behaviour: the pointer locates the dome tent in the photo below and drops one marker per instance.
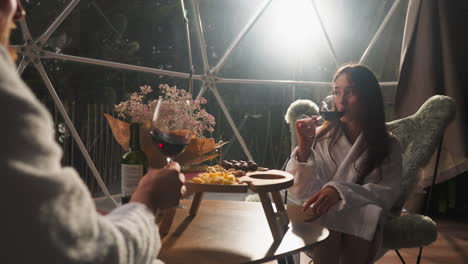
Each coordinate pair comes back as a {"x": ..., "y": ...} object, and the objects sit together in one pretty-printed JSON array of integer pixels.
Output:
[{"x": 248, "y": 57}]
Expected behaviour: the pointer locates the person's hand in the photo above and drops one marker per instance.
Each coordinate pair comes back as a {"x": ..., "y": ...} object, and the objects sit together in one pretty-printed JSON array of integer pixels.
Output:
[
  {"x": 305, "y": 133},
  {"x": 160, "y": 189},
  {"x": 322, "y": 201}
]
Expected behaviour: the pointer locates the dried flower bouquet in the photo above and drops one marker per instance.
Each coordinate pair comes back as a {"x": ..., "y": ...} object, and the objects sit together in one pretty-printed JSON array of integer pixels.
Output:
[{"x": 139, "y": 110}]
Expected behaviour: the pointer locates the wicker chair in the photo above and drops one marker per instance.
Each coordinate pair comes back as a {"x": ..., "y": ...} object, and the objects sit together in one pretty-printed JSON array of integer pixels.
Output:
[{"x": 420, "y": 134}]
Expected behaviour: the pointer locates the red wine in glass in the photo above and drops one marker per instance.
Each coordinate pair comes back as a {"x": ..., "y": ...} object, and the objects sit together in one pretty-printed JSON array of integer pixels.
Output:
[
  {"x": 171, "y": 143},
  {"x": 326, "y": 110},
  {"x": 331, "y": 116},
  {"x": 171, "y": 127}
]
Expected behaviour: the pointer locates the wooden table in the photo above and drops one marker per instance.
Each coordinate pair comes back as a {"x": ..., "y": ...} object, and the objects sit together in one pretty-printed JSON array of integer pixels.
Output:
[
  {"x": 266, "y": 184},
  {"x": 234, "y": 232}
]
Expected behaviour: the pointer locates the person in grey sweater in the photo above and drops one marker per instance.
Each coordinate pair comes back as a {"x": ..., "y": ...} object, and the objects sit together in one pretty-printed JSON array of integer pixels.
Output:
[{"x": 47, "y": 213}]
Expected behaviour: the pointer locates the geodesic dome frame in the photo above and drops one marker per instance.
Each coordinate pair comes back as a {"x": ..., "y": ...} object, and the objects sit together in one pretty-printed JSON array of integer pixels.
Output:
[{"x": 33, "y": 52}]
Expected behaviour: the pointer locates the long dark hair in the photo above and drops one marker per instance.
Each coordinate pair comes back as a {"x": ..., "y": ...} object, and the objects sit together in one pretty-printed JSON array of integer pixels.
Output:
[{"x": 371, "y": 119}]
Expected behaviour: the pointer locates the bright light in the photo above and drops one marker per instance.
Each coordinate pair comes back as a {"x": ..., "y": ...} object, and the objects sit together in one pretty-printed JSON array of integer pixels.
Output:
[{"x": 293, "y": 25}]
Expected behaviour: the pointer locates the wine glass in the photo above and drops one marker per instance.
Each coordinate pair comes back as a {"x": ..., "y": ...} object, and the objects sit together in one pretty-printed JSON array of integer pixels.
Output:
[
  {"x": 328, "y": 111},
  {"x": 306, "y": 118},
  {"x": 171, "y": 127},
  {"x": 171, "y": 133}
]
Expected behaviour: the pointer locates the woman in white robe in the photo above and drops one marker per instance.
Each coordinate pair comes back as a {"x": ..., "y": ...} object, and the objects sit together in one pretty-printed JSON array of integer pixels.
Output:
[{"x": 349, "y": 171}]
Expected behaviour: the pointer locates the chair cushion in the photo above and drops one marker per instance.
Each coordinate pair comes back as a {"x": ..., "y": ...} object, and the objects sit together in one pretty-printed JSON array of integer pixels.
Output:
[
  {"x": 419, "y": 135},
  {"x": 409, "y": 231},
  {"x": 299, "y": 107}
]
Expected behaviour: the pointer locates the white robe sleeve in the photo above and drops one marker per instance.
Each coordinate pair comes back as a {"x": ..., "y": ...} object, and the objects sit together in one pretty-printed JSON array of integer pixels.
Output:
[
  {"x": 382, "y": 194},
  {"x": 309, "y": 176},
  {"x": 48, "y": 215}
]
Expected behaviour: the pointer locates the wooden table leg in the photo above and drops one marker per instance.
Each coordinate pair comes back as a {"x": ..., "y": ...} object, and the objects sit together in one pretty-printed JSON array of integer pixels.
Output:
[
  {"x": 196, "y": 203},
  {"x": 280, "y": 209},
  {"x": 276, "y": 229},
  {"x": 168, "y": 214},
  {"x": 166, "y": 221}
]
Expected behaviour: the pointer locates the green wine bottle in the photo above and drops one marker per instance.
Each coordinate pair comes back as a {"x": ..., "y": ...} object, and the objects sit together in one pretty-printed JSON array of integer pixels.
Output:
[{"x": 134, "y": 164}]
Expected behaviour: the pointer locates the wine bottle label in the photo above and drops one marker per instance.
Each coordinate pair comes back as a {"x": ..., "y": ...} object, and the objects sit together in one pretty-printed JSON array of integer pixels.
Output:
[{"x": 131, "y": 175}]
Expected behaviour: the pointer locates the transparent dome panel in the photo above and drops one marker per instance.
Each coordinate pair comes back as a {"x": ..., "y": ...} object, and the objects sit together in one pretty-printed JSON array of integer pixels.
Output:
[
  {"x": 258, "y": 113},
  {"x": 384, "y": 57},
  {"x": 39, "y": 16},
  {"x": 285, "y": 43},
  {"x": 143, "y": 33},
  {"x": 351, "y": 25},
  {"x": 288, "y": 42},
  {"x": 222, "y": 21}
]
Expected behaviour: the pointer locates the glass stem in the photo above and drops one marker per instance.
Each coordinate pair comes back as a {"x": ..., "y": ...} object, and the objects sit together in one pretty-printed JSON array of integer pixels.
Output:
[{"x": 169, "y": 160}]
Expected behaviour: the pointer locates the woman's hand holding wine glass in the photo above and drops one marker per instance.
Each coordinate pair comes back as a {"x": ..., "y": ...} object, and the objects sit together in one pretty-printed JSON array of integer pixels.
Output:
[
  {"x": 305, "y": 133},
  {"x": 306, "y": 126}
]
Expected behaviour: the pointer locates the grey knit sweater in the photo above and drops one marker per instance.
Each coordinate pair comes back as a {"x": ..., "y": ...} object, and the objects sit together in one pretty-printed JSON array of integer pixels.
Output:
[{"x": 47, "y": 213}]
